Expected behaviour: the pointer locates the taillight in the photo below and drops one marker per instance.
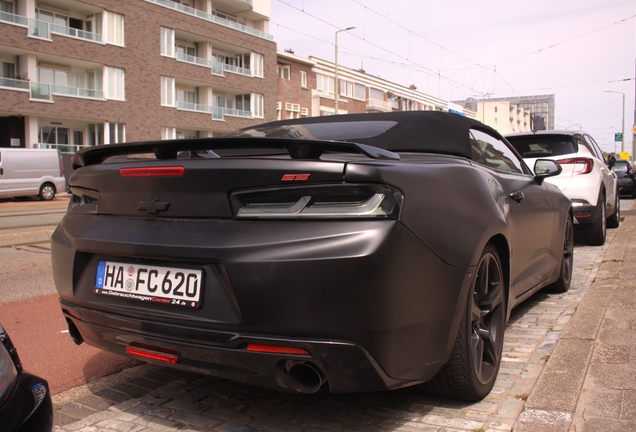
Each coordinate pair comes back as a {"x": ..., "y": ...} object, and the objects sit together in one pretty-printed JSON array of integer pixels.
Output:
[
  {"x": 319, "y": 202},
  {"x": 275, "y": 349},
  {"x": 152, "y": 352},
  {"x": 586, "y": 164},
  {"x": 166, "y": 171}
]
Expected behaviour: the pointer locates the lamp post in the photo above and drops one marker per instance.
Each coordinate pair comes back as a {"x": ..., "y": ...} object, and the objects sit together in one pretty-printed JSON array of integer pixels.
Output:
[
  {"x": 623, "y": 123},
  {"x": 336, "y": 89}
]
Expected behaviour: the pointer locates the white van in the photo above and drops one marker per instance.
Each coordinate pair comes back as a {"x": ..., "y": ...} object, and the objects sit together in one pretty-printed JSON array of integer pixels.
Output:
[{"x": 30, "y": 172}]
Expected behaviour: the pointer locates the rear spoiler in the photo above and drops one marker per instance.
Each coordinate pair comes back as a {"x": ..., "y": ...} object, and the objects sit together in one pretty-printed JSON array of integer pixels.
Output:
[{"x": 168, "y": 149}]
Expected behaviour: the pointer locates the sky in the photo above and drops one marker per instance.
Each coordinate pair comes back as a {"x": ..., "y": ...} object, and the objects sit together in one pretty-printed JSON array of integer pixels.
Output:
[{"x": 582, "y": 51}]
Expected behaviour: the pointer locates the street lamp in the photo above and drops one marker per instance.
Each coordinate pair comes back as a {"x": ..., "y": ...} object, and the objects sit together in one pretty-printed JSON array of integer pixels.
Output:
[
  {"x": 623, "y": 124},
  {"x": 336, "y": 89}
]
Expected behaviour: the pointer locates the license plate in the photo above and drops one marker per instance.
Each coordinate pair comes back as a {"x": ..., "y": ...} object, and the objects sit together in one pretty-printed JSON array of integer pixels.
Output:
[{"x": 155, "y": 284}]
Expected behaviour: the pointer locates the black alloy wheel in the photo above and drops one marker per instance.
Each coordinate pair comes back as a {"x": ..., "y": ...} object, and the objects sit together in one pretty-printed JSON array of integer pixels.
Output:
[
  {"x": 471, "y": 372},
  {"x": 567, "y": 262}
]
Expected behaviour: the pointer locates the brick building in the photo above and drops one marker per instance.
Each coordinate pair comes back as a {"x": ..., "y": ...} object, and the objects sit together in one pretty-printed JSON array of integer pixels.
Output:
[{"x": 78, "y": 73}]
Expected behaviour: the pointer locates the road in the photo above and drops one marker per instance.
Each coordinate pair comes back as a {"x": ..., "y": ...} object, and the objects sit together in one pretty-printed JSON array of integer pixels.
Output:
[{"x": 29, "y": 307}]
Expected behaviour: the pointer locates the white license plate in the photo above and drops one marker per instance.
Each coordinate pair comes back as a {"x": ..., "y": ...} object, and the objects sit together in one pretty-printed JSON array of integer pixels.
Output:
[{"x": 155, "y": 284}]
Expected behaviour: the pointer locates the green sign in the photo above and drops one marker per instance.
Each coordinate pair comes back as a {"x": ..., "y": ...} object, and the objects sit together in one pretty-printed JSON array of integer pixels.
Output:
[{"x": 618, "y": 136}]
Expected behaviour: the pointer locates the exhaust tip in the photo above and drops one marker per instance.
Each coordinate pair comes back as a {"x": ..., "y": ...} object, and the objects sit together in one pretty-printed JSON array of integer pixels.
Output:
[
  {"x": 305, "y": 378},
  {"x": 74, "y": 332}
]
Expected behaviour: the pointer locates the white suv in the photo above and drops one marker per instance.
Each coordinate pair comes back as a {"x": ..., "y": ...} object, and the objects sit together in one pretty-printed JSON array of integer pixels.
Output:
[{"x": 586, "y": 178}]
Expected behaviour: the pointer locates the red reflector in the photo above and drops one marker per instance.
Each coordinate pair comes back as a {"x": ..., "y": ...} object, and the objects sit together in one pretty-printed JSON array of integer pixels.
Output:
[
  {"x": 176, "y": 171},
  {"x": 582, "y": 215},
  {"x": 589, "y": 163},
  {"x": 276, "y": 349},
  {"x": 152, "y": 352}
]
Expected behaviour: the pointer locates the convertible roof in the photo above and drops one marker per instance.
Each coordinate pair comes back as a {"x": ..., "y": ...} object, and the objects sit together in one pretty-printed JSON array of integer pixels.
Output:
[{"x": 411, "y": 131}]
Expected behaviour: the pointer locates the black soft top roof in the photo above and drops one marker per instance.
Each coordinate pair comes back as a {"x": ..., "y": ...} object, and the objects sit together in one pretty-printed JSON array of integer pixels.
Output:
[
  {"x": 410, "y": 131},
  {"x": 377, "y": 136}
]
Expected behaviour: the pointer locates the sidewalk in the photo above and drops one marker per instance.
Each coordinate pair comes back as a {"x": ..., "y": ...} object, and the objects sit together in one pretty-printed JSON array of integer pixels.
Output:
[
  {"x": 589, "y": 382},
  {"x": 569, "y": 365}
]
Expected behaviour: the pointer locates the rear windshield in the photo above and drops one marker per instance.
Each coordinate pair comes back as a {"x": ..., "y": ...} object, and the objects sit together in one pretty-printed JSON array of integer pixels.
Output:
[
  {"x": 620, "y": 168},
  {"x": 543, "y": 146}
]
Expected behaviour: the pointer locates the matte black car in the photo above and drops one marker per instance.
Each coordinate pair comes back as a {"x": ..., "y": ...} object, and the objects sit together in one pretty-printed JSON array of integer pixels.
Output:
[
  {"x": 25, "y": 401},
  {"x": 355, "y": 252},
  {"x": 626, "y": 179}
]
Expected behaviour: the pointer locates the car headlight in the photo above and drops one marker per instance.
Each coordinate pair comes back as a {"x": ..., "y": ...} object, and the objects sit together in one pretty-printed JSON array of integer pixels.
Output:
[
  {"x": 318, "y": 202},
  {"x": 8, "y": 370}
]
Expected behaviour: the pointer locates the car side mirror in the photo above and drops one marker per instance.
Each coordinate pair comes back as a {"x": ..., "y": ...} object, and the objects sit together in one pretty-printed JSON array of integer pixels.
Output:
[
  {"x": 544, "y": 168},
  {"x": 611, "y": 161}
]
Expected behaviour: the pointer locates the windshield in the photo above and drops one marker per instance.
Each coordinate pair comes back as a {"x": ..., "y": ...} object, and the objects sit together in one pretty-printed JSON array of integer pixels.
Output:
[
  {"x": 543, "y": 146},
  {"x": 619, "y": 168},
  {"x": 334, "y": 131}
]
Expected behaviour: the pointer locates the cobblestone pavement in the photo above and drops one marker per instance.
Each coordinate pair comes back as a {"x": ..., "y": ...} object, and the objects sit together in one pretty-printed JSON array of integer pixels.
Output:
[{"x": 150, "y": 398}]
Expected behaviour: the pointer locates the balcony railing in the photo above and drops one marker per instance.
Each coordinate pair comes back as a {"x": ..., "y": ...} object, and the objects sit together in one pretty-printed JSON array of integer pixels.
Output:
[
  {"x": 14, "y": 83},
  {"x": 40, "y": 91},
  {"x": 194, "y": 60},
  {"x": 237, "y": 70},
  {"x": 15, "y": 19},
  {"x": 79, "y": 92},
  {"x": 237, "y": 112},
  {"x": 75, "y": 33},
  {"x": 217, "y": 113},
  {"x": 212, "y": 18},
  {"x": 39, "y": 29},
  {"x": 379, "y": 105}
]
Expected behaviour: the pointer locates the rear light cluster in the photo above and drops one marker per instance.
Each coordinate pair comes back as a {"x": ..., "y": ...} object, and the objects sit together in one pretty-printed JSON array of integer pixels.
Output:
[
  {"x": 585, "y": 165},
  {"x": 348, "y": 201}
]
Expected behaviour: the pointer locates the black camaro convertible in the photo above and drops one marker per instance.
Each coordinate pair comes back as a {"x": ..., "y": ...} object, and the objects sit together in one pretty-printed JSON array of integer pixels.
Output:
[{"x": 358, "y": 252}]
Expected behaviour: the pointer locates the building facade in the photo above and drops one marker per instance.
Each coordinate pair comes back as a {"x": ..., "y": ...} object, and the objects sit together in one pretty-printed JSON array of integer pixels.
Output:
[
  {"x": 82, "y": 73},
  {"x": 306, "y": 87}
]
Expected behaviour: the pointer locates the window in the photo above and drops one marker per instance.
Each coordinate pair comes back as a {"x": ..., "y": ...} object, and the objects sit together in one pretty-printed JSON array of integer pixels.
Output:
[
  {"x": 6, "y": 6},
  {"x": 51, "y": 17},
  {"x": 167, "y": 91},
  {"x": 223, "y": 102},
  {"x": 7, "y": 70},
  {"x": 284, "y": 72},
  {"x": 243, "y": 102},
  {"x": 114, "y": 33},
  {"x": 185, "y": 51},
  {"x": 257, "y": 105},
  {"x": 54, "y": 77},
  {"x": 303, "y": 79},
  {"x": 225, "y": 16},
  {"x": 346, "y": 88},
  {"x": 95, "y": 134},
  {"x": 53, "y": 135},
  {"x": 376, "y": 94},
  {"x": 168, "y": 133},
  {"x": 186, "y": 96},
  {"x": 257, "y": 64},
  {"x": 114, "y": 85},
  {"x": 94, "y": 79},
  {"x": 360, "y": 91},
  {"x": 167, "y": 42},
  {"x": 324, "y": 83},
  {"x": 496, "y": 153},
  {"x": 78, "y": 137},
  {"x": 116, "y": 133}
]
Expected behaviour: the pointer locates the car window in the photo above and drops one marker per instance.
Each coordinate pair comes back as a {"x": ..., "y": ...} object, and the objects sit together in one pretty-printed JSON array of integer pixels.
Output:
[
  {"x": 537, "y": 146},
  {"x": 497, "y": 154},
  {"x": 595, "y": 148},
  {"x": 620, "y": 168}
]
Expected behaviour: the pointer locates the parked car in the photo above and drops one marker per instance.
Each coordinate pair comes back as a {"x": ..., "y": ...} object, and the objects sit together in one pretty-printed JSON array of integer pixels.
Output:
[
  {"x": 355, "y": 252},
  {"x": 626, "y": 180},
  {"x": 31, "y": 172},
  {"x": 587, "y": 178},
  {"x": 25, "y": 401}
]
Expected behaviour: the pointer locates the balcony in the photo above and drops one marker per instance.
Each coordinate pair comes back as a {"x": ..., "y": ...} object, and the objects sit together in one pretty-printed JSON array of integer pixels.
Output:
[
  {"x": 209, "y": 17},
  {"x": 44, "y": 92},
  {"x": 14, "y": 19},
  {"x": 217, "y": 113},
  {"x": 64, "y": 148},
  {"x": 237, "y": 112},
  {"x": 75, "y": 33},
  {"x": 379, "y": 105},
  {"x": 217, "y": 67},
  {"x": 14, "y": 84}
]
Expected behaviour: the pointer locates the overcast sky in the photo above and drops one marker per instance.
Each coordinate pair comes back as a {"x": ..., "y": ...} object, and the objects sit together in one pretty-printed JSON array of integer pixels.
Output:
[{"x": 574, "y": 49}]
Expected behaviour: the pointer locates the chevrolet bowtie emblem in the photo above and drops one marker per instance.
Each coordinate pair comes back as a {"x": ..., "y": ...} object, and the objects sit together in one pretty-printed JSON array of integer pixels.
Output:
[{"x": 153, "y": 206}]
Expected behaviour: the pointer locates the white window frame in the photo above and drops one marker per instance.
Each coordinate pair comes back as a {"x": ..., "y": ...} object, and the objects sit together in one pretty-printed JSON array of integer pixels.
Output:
[
  {"x": 116, "y": 130},
  {"x": 284, "y": 72},
  {"x": 113, "y": 28},
  {"x": 168, "y": 133},
  {"x": 168, "y": 91},
  {"x": 257, "y": 64},
  {"x": 325, "y": 83},
  {"x": 114, "y": 83},
  {"x": 257, "y": 105},
  {"x": 303, "y": 79},
  {"x": 167, "y": 42}
]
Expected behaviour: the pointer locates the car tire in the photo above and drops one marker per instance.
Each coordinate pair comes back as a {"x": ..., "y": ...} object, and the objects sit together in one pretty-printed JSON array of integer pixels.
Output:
[
  {"x": 474, "y": 362},
  {"x": 47, "y": 192},
  {"x": 562, "y": 284},
  {"x": 615, "y": 220},
  {"x": 596, "y": 232}
]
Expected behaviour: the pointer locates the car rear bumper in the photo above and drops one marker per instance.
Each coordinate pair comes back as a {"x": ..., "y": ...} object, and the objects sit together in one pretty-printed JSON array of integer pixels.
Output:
[
  {"x": 366, "y": 295},
  {"x": 345, "y": 366}
]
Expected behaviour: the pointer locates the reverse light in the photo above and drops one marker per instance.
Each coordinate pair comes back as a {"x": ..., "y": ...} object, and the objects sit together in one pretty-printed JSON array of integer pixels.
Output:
[
  {"x": 326, "y": 201},
  {"x": 275, "y": 349},
  {"x": 152, "y": 352},
  {"x": 587, "y": 164},
  {"x": 165, "y": 171}
]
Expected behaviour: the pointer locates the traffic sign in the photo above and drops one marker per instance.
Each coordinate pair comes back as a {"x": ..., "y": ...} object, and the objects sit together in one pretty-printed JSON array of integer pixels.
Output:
[{"x": 618, "y": 136}]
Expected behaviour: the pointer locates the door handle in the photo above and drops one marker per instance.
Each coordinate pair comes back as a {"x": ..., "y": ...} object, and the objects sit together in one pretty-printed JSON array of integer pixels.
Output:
[{"x": 517, "y": 196}]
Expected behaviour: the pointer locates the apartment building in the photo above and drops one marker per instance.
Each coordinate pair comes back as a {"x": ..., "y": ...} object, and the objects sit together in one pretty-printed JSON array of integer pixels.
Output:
[
  {"x": 306, "y": 87},
  {"x": 92, "y": 72}
]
